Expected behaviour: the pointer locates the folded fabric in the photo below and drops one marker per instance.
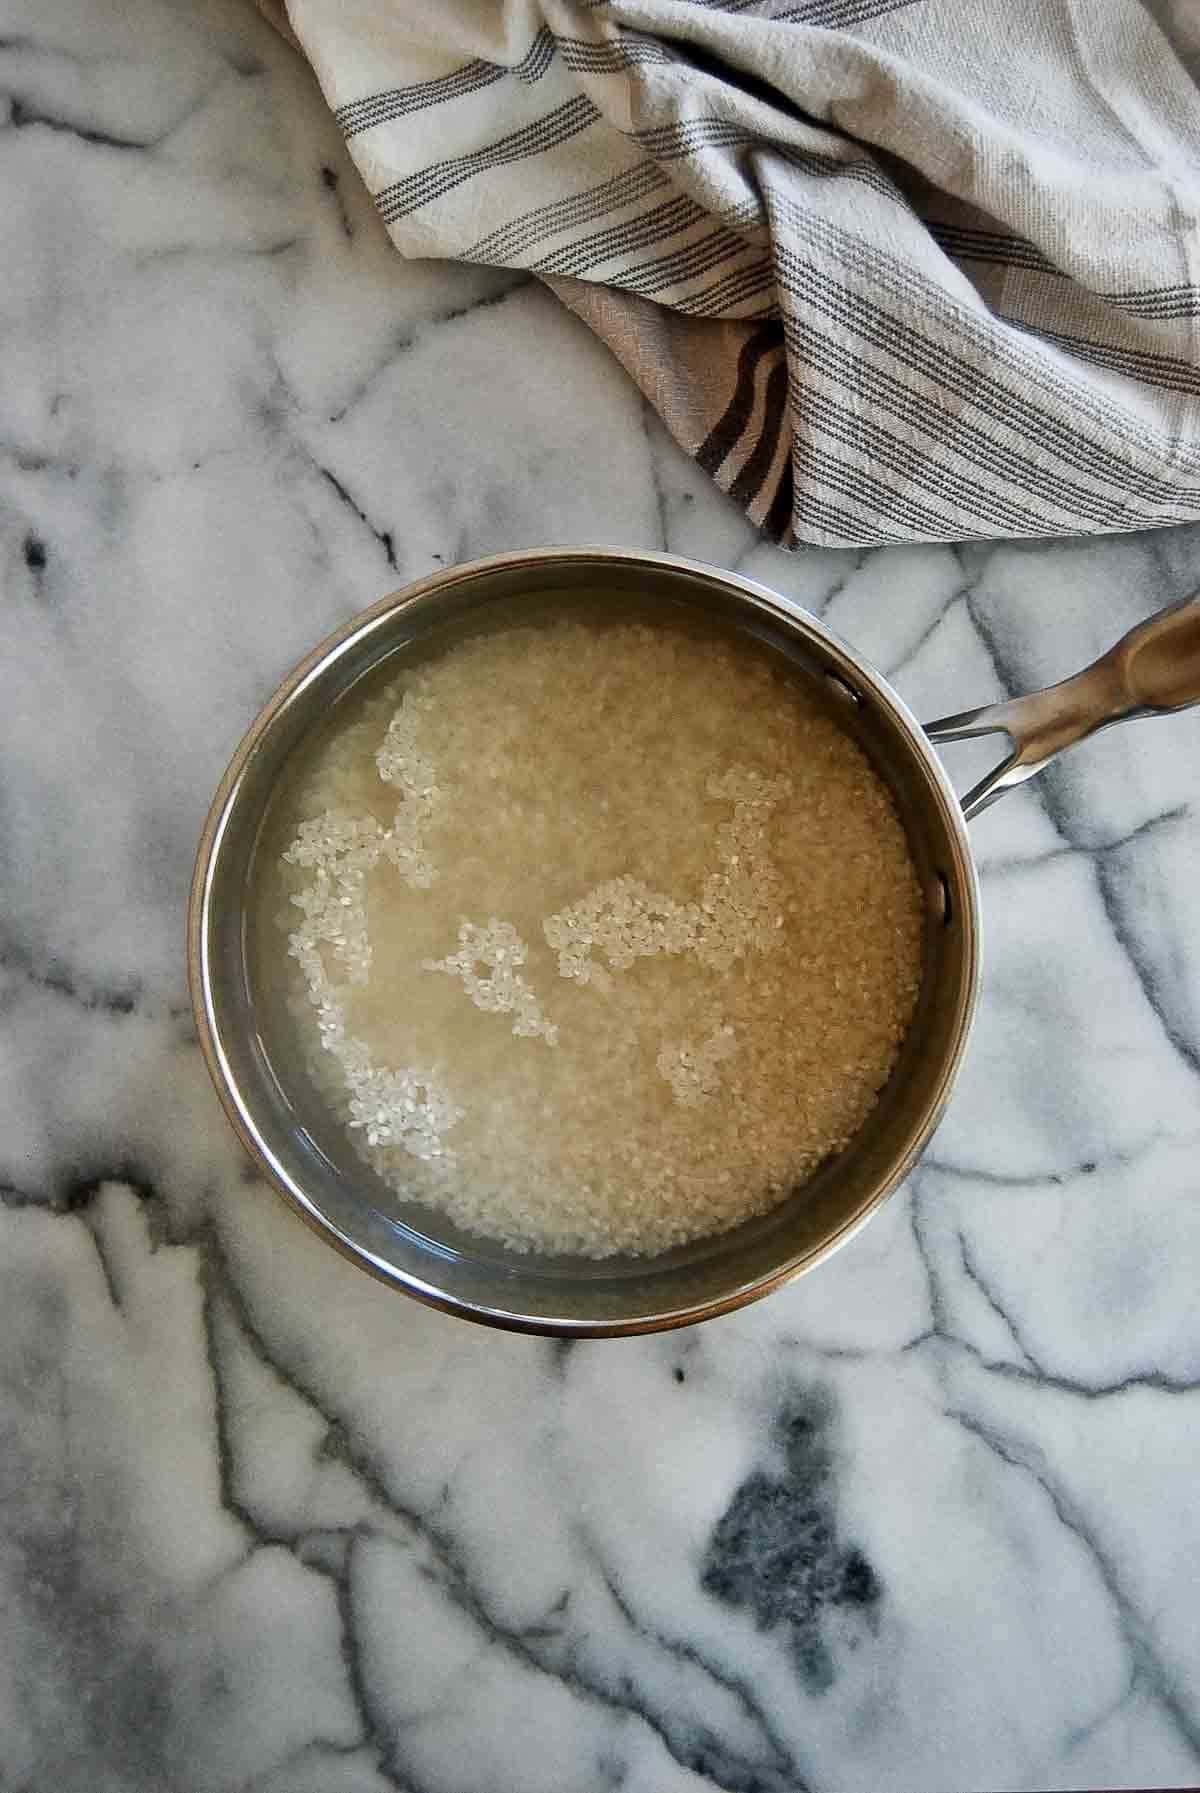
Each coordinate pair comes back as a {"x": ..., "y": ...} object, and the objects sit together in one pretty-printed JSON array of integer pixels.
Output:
[{"x": 891, "y": 270}]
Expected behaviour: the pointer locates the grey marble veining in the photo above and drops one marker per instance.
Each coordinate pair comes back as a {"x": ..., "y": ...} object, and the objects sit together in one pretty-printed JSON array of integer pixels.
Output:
[{"x": 928, "y": 1518}]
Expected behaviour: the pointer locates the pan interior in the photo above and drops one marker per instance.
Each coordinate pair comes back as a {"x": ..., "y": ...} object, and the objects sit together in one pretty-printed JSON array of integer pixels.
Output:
[{"x": 308, "y": 1153}]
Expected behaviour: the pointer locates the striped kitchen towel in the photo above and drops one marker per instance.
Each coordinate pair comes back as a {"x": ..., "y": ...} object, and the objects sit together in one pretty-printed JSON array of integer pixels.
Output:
[{"x": 891, "y": 270}]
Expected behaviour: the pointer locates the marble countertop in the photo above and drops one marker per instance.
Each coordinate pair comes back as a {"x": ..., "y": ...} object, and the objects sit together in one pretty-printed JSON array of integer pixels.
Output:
[{"x": 926, "y": 1519}]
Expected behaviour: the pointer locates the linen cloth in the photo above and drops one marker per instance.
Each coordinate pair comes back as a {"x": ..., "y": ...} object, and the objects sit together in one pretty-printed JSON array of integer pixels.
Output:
[{"x": 890, "y": 270}]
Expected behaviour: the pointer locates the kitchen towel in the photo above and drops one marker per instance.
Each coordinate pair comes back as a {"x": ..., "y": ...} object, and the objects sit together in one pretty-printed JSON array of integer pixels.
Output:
[{"x": 890, "y": 270}]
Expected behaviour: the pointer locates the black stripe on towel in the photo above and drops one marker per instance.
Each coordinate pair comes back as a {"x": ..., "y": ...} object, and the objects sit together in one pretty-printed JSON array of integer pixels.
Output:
[
  {"x": 729, "y": 428},
  {"x": 427, "y": 184},
  {"x": 397, "y": 102}
]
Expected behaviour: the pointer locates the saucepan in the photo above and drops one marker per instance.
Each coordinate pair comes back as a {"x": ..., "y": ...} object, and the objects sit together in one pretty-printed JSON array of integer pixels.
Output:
[{"x": 1154, "y": 669}]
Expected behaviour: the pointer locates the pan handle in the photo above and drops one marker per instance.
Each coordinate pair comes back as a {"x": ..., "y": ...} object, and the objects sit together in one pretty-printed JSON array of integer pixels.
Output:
[{"x": 1151, "y": 671}]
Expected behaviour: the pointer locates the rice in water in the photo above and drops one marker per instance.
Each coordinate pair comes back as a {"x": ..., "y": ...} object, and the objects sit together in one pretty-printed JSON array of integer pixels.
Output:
[{"x": 599, "y": 938}]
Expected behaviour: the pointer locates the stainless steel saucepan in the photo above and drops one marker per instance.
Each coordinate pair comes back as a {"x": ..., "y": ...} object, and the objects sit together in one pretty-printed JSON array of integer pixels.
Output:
[{"x": 1155, "y": 669}]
